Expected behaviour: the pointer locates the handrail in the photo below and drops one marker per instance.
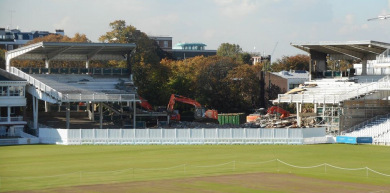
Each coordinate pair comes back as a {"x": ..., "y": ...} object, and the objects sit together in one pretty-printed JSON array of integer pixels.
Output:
[
  {"x": 71, "y": 97},
  {"x": 336, "y": 98},
  {"x": 41, "y": 86},
  {"x": 360, "y": 125}
]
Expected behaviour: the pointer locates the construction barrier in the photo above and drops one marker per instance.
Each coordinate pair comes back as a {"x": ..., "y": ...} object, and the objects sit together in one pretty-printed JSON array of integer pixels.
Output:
[{"x": 178, "y": 136}]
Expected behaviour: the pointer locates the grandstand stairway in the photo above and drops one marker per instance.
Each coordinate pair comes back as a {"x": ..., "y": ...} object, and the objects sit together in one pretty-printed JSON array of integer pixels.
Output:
[{"x": 378, "y": 128}]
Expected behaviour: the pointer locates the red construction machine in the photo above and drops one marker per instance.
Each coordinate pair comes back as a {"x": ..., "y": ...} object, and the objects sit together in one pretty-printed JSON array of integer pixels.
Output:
[
  {"x": 145, "y": 104},
  {"x": 201, "y": 113},
  {"x": 276, "y": 109}
]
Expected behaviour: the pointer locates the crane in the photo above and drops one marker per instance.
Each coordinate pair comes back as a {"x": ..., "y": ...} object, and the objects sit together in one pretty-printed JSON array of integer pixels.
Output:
[
  {"x": 201, "y": 113},
  {"x": 381, "y": 17}
]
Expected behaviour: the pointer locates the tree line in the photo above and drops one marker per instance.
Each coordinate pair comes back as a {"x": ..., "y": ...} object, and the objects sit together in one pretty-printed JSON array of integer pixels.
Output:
[{"x": 227, "y": 82}]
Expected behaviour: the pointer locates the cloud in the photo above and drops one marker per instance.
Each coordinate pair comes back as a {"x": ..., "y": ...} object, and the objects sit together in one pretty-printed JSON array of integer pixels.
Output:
[
  {"x": 210, "y": 33},
  {"x": 63, "y": 24},
  {"x": 349, "y": 19},
  {"x": 237, "y": 8}
]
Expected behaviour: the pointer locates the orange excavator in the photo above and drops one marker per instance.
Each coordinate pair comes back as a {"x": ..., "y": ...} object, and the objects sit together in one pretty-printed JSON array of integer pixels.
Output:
[
  {"x": 276, "y": 109},
  {"x": 201, "y": 113}
]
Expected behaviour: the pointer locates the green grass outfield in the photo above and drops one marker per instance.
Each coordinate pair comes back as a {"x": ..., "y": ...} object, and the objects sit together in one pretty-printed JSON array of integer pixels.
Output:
[{"x": 50, "y": 166}]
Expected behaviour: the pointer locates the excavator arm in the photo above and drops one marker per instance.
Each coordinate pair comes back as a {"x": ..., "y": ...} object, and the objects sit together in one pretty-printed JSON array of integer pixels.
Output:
[
  {"x": 200, "y": 111},
  {"x": 182, "y": 99},
  {"x": 145, "y": 104}
]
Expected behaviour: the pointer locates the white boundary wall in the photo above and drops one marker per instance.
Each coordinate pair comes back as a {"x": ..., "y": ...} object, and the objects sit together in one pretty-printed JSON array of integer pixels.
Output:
[{"x": 180, "y": 136}]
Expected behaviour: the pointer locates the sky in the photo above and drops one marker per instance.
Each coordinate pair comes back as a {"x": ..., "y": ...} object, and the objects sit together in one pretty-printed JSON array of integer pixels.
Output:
[{"x": 267, "y": 26}]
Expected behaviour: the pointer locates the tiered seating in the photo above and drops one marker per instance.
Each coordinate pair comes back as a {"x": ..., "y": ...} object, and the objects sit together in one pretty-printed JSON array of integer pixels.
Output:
[
  {"x": 383, "y": 139},
  {"x": 379, "y": 130}
]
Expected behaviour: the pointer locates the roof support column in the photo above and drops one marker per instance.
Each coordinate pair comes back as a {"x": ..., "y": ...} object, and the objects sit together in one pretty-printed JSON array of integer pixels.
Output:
[
  {"x": 47, "y": 63},
  {"x": 87, "y": 64},
  {"x": 8, "y": 64},
  {"x": 364, "y": 66},
  {"x": 47, "y": 106},
  {"x": 35, "y": 111},
  {"x": 134, "y": 116},
  {"x": 67, "y": 115},
  {"x": 101, "y": 115},
  {"x": 299, "y": 108},
  {"x": 8, "y": 114}
]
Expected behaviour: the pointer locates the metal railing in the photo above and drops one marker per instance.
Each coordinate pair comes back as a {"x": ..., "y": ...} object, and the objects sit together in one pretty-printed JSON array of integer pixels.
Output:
[
  {"x": 37, "y": 84},
  {"x": 383, "y": 83},
  {"x": 13, "y": 119},
  {"x": 363, "y": 124},
  {"x": 71, "y": 97}
]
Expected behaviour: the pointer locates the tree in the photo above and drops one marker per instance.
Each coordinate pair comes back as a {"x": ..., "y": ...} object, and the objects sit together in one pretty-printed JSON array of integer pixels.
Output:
[
  {"x": 245, "y": 58},
  {"x": 229, "y": 50},
  {"x": 297, "y": 62},
  {"x": 2, "y": 59},
  {"x": 245, "y": 87}
]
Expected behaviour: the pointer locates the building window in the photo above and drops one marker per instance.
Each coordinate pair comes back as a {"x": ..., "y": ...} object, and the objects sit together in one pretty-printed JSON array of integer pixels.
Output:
[
  {"x": 10, "y": 47},
  {"x": 292, "y": 86},
  {"x": 20, "y": 36},
  {"x": 3, "y": 90},
  {"x": 165, "y": 44},
  {"x": 158, "y": 43},
  {"x": 15, "y": 91}
]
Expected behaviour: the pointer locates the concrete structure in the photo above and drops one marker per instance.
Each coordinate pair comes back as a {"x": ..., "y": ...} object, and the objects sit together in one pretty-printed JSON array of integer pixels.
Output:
[
  {"x": 286, "y": 80},
  {"x": 12, "y": 101},
  {"x": 15, "y": 38},
  {"x": 362, "y": 50},
  {"x": 62, "y": 89},
  {"x": 188, "y": 50},
  {"x": 342, "y": 102},
  {"x": 165, "y": 42},
  {"x": 260, "y": 59}
]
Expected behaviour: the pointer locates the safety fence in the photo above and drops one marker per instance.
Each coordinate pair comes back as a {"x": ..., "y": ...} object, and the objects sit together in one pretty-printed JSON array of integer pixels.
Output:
[
  {"x": 181, "y": 136},
  {"x": 10, "y": 183}
]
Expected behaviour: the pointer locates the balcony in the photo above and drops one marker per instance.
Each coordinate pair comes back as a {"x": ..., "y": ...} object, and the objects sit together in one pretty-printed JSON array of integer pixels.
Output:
[{"x": 12, "y": 120}]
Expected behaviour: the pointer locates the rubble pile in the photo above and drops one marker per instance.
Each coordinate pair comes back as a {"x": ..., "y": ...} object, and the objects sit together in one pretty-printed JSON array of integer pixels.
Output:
[{"x": 185, "y": 124}]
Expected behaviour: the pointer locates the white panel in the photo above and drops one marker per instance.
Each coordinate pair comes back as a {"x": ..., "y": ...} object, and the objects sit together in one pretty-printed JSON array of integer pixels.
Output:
[
  {"x": 281, "y": 133},
  {"x": 141, "y": 133},
  {"x": 295, "y": 133},
  {"x": 197, "y": 134},
  {"x": 313, "y": 132},
  {"x": 114, "y": 133},
  {"x": 63, "y": 133},
  {"x": 210, "y": 134},
  {"x": 128, "y": 133},
  {"x": 12, "y": 101},
  {"x": 182, "y": 133},
  {"x": 224, "y": 134},
  {"x": 266, "y": 133},
  {"x": 169, "y": 133},
  {"x": 155, "y": 134},
  {"x": 238, "y": 133},
  {"x": 252, "y": 133},
  {"x": 74, "y": 134},
  {"x": 99, "y": 133},
  {"x": 88, "y": 134}
]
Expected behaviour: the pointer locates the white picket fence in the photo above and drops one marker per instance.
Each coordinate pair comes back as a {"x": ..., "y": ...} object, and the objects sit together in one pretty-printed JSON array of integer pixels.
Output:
[{"x": 180, "y": 136}]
